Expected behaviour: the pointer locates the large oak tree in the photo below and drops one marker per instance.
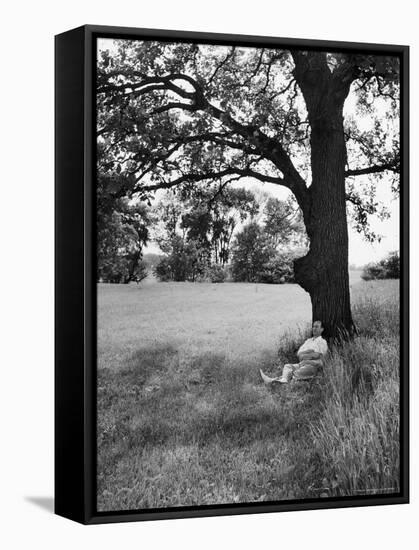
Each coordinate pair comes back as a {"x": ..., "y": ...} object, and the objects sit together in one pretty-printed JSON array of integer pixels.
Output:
[{"x": 173, "y": 115}]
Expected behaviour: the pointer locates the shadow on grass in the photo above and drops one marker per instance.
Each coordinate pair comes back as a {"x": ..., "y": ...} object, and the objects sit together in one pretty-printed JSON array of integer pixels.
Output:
[
  {"x": 164, "y": 398},
  {"x": 140, "y": 365},
  {"x": 203, "y": 424}
]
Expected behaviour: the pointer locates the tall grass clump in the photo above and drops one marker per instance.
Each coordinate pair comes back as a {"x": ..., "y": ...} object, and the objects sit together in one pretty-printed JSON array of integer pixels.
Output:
[{"x": 355, "y": 439}]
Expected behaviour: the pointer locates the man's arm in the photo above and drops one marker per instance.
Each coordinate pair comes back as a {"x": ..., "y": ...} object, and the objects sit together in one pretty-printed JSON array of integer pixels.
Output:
[{"x": 309, "y": 354}]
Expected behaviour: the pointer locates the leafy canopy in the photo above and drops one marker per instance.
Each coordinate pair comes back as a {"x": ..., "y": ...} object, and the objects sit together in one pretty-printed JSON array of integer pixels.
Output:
[{"x": 175, "y": 115}]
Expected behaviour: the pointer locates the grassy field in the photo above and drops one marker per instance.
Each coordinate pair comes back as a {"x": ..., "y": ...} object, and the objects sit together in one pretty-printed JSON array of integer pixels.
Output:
[{"x": 183, "y": 417}]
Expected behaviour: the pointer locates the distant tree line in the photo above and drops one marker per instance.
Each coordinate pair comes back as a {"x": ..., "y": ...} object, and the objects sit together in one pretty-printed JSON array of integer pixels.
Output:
[
  {"x": 387, "y": 268},
  {"x": 195, "y": 231},
  {"x": 210, "y": 234},
  {"x": 231, "y": 234}
]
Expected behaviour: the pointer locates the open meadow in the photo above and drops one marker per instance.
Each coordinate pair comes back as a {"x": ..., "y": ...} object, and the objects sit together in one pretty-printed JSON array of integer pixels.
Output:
[{"x": 183, "y": 416}]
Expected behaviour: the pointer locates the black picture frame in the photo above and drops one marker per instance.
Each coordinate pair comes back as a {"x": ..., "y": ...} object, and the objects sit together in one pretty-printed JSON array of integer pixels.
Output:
[{"x": 75, "y": 283}]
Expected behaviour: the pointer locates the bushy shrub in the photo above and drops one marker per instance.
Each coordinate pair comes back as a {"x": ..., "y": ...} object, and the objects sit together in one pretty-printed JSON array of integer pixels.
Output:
[
  {"x": 392, "y": 264},
  {"x": 256, "y": 260},
  {"x": 278, "y": 270},
  {"x": 121, "y": 235},
  {"x": 216, "y": 274},
  {"x": 183, "y": 261},
  {"x": 387, "y": 268},
  {"x": 252, "y": 249},
  {"x": 162, "y": 270},
  {"x": 140, "y": 272}
]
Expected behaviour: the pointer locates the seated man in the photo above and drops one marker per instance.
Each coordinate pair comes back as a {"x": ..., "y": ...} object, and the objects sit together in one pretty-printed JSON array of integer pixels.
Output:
[{"x": 310, "y": 359}]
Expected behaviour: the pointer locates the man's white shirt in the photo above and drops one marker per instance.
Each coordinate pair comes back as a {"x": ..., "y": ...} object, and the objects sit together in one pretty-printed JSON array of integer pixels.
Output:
[{"x": 317, "y": 344}]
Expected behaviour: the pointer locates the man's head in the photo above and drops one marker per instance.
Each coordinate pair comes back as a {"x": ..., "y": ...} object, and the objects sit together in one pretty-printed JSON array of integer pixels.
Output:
[{"x": 317, "y": 328}]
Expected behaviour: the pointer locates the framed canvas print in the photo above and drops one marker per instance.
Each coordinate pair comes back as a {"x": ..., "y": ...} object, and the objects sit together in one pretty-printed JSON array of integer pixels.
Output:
[{"x": 231, "y": 274}]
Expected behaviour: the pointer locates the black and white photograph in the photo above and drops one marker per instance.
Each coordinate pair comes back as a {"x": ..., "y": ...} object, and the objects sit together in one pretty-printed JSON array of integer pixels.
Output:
[{"x": 248, "y": 260}]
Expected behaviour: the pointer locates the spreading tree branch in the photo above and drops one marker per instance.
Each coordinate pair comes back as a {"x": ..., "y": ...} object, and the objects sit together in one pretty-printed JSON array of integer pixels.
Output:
[
  {"x": 376, "y": 169},
  {"x": 269, "y": 148},
  {"x": 221, "y": 64},
  {"x": 209, "y": 175}
]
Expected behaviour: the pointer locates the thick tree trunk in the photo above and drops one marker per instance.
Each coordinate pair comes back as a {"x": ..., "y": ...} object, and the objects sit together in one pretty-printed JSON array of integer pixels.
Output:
[{"x": 323, "y": 272}]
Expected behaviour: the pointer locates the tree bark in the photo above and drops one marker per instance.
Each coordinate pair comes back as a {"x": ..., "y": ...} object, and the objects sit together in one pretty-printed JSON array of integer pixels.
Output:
[{"x": 323, "y": 272}]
